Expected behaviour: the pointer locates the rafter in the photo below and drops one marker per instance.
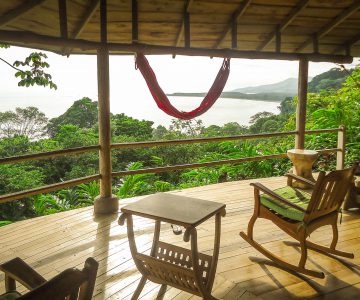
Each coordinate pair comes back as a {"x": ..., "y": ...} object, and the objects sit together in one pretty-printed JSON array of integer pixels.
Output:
[
  {"x": 182, "y": 27},
  {"x": 235, "y": 16},
  {"x": 84, "y": 20},
  {"x": 234, "y": 34},
  {"x": 18, "y": 11},
  {"x": 331, "y": 25},
  {"x": 135, "y": 24},
  {"x": 315, "y": 44},
  {"x": 278, "y": 39},
  {"x": 94, "y": 5},
  {"x": 63, "y": 19},
  {"x": 187, "y": 29},
  {"x": 285, "y": 23},
  {"x": 103, "y": 21}
]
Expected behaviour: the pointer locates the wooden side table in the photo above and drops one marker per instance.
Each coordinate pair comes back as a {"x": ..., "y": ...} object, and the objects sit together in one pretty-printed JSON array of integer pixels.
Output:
[
  {"x": 168, "y": 264},
  {"x": 303, "y": 161}
]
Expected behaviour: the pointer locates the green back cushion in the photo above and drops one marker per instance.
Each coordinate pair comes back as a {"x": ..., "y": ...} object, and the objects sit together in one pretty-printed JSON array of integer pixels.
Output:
[
  {"x": 299, "y": 197},
  {"x": 10, "y": 296}
]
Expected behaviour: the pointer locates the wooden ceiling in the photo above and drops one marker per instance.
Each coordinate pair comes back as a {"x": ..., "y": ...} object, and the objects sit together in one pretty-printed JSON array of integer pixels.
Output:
[{"x": 282, "y": 29}]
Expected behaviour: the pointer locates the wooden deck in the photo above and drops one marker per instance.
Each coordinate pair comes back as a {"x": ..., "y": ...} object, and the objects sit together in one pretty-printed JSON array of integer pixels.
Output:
[{"x": 52, "y": 243}]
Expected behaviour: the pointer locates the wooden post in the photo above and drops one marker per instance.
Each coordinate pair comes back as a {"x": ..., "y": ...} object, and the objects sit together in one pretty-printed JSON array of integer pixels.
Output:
[
  {"x": 105, "y": 202},
  {"x": 301, "y": 106},
  {"x": 340, "y": 155}
]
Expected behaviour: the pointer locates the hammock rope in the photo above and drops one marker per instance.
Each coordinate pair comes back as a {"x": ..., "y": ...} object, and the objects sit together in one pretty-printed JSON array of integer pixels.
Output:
[{"x": 162, "y": 100}]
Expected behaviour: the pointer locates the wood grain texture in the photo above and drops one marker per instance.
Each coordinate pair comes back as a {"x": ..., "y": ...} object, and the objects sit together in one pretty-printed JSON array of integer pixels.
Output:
[
  {"x": 161, "y": 23},
  {"x": 53, "y": 243}
]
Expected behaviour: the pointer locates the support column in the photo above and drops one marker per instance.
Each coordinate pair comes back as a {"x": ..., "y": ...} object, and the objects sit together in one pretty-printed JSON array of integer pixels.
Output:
[
  {"x": 105, "y": 202},
  {"x": 301, "y": 106},
  {"x": 340, "y": 154}
]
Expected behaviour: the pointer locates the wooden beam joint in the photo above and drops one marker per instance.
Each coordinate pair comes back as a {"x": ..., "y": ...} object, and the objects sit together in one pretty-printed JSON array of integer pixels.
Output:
[
  {"x": 285, "y": 23},
  {"x": 235, "y": 15}
]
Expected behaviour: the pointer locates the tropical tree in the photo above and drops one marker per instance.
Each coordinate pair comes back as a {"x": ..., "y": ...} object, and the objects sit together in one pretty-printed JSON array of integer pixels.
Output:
[
  {"x": 123, "y": 125},
  {"x": 29, "y": 122},
  {"x": 82, "y": 113}
]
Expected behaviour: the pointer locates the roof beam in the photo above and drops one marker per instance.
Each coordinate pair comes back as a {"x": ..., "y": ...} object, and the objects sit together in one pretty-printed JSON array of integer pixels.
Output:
[
  {"x": 18, "y": 11},
  {"x": 331, "y": 25},
  {"x": 235, "y": 16},
  {"x": 40, "y": 41},
  {"x": 182, "y": 27},
  {"x": 285, "y": 23}
]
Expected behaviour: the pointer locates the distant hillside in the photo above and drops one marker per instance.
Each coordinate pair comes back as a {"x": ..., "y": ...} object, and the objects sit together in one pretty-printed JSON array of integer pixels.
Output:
[
  {"x": 332, "y": 79},
  {"x": 287, "y": 86},
  {"x": 278, "y": 91},
  {"x": 269, "y": 92}
]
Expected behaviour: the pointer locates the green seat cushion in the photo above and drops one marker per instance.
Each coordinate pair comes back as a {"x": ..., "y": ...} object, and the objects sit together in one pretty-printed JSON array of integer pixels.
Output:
[
  {"x": 296, "y": 196},
  {"x": 10, "y": 295}
]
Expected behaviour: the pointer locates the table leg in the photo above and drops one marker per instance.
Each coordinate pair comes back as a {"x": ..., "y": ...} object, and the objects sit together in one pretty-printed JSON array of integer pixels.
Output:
[
  {"x": 133, "y": 250},
  {"x": 155, "y": 238},
  {"x": 195, "y": 261},
  {"x": 161, "y": 293},
  {"x": 215, "y": 255},
  {"x": 139, "y": 288}
]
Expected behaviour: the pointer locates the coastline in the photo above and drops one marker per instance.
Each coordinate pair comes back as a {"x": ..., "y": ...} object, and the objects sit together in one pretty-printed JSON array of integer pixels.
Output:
[{"x": 271, "y": 97}]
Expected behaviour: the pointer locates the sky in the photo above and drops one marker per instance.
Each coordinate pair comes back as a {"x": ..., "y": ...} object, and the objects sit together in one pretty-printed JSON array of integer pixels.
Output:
[{"x": 76, "y": 77}]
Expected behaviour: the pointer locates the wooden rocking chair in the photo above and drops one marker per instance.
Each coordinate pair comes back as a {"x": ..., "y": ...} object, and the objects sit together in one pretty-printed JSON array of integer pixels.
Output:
[
  {"x": 300, "y": 212},
  {"x": 71, "y": 284}
]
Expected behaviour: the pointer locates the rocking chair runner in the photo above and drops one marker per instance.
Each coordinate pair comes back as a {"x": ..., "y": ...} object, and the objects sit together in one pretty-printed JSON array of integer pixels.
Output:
[
  {"x": 71, "y": 284},
  {"x": 299, "y": 212}
]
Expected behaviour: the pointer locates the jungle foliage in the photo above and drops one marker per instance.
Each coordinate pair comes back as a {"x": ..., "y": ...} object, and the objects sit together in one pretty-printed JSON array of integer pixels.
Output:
[{"x": 78, "y": 127}]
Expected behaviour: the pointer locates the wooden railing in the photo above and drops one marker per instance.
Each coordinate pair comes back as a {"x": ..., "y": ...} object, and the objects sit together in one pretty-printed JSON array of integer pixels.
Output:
[{"x": 340, "y": 150}]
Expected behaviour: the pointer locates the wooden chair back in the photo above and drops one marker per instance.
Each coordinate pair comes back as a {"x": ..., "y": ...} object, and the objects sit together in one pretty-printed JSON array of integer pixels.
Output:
[
  {"x": 71, "y": 284},
  {"x": 329, "y": 193}
]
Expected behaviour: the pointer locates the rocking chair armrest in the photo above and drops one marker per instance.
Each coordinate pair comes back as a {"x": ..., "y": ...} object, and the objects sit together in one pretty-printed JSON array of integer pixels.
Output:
[
  {"x": 269, "y": 192},
  {"x": 299, "y": 178},
  {"x": 20, "y": 271}
]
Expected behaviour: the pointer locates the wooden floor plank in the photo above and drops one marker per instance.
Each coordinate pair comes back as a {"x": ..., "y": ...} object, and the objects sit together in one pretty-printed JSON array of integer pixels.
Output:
[{"x": 53, "y": 243}]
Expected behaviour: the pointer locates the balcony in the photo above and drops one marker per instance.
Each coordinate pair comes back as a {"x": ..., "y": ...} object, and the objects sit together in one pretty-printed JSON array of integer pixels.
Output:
[{"x": 55, "y": 242}]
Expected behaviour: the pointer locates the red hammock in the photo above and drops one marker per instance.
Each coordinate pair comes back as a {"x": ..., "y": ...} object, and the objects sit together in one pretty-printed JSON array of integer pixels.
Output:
[{"x": 162, "y": 100}]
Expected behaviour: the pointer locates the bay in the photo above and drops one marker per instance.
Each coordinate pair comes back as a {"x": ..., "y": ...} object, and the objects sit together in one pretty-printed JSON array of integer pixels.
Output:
[
  {"x": 140, "y": 105},
  {"x": 225, "y": 110}
]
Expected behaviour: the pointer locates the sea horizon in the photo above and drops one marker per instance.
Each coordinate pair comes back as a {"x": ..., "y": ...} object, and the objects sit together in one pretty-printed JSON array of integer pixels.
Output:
[{"x": 225, "y": 110}]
